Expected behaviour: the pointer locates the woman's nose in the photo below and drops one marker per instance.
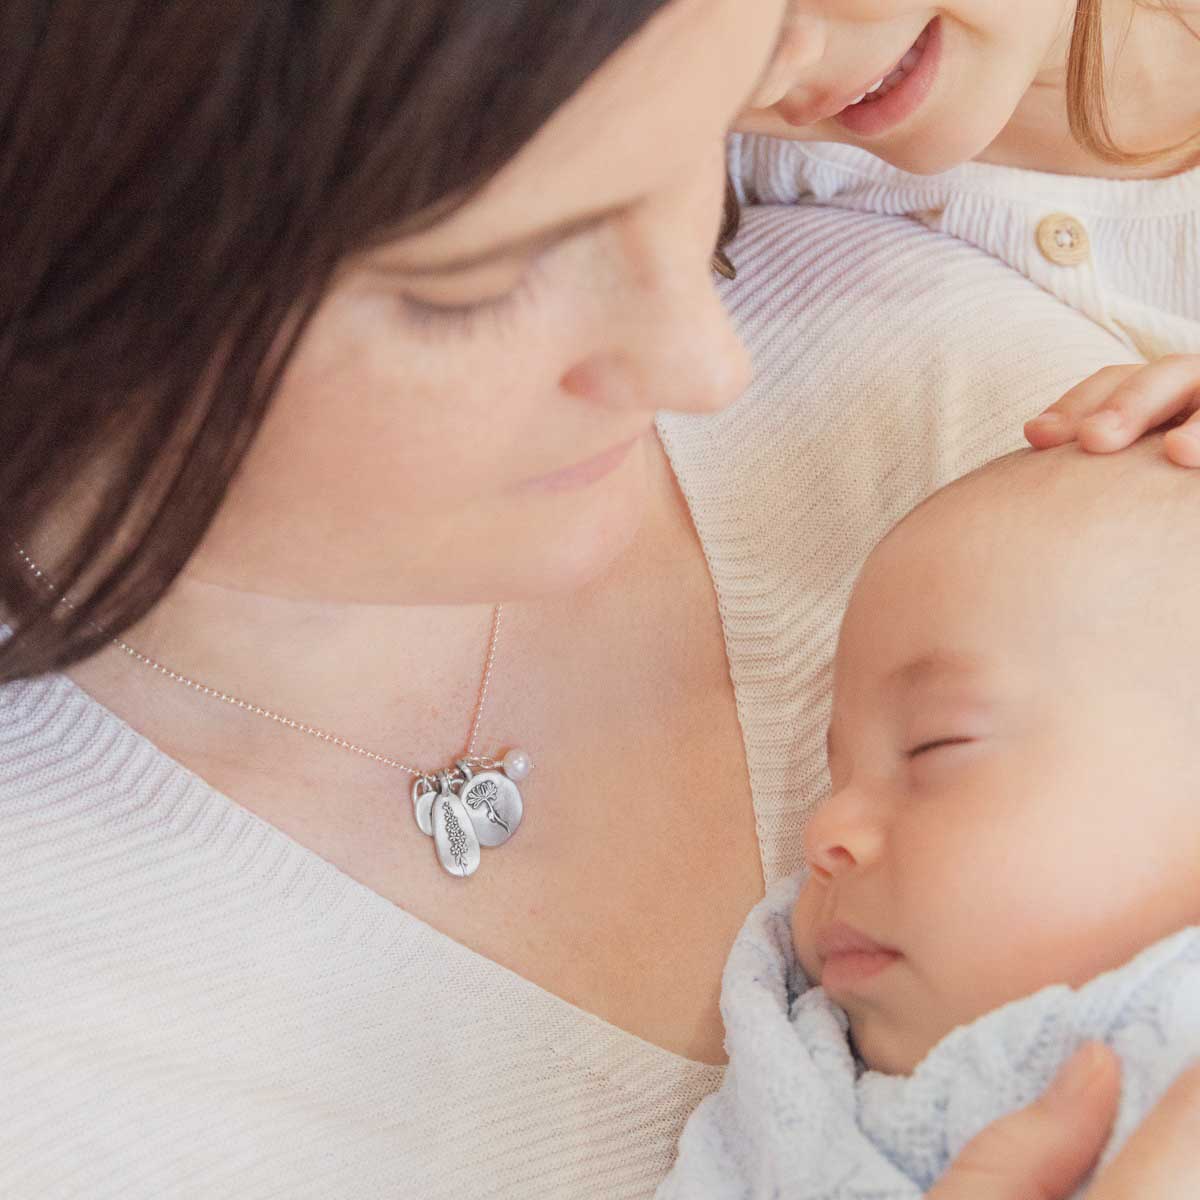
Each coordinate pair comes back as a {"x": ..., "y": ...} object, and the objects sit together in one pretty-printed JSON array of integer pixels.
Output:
[
  {"x": 667, "y": 341},
  {"x": 693, "y": 362},
  {"x": 675, "y": 350},
  {"x": 845, "y": 834}
]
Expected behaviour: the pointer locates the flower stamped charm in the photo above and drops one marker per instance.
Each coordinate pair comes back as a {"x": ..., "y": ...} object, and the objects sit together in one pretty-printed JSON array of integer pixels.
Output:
[
  {"x": 494, "y": 803},
  {"x": 463, "y": 811},
  {"x": 454, "y": 835}
]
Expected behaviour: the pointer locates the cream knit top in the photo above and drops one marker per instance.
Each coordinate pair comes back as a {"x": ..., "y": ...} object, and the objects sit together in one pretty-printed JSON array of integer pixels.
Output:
[
  {"x": 194, "y": 1005},
  {"x": 1125, "y": 253}
]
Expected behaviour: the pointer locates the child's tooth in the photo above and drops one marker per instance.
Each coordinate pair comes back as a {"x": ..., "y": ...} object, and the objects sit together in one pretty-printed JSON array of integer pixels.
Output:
[
  {"x": 858, "y": 100},
  {"x": 875, "y": 86}
]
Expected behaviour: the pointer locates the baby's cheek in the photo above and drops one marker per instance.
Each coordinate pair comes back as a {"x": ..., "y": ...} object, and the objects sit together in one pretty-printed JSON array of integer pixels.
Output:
[{"x": 804, "y": 923}]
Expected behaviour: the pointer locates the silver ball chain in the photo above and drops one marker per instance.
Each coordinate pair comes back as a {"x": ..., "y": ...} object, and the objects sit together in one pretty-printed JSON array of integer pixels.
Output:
[{"x": 469, "y": 757}]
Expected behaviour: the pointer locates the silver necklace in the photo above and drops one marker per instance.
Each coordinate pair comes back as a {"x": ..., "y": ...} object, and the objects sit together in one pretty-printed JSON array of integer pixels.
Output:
[{"x": 473, "y": 803}]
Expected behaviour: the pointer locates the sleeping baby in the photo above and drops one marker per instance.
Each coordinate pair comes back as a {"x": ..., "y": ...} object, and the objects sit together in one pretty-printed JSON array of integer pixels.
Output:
[{"x": 1009, "y": 863}]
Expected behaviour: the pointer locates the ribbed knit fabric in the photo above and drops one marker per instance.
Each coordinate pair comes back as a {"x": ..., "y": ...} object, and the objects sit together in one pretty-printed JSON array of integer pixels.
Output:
[
  {"x": 1141, "y": 280},
  {"x": 194, "y": 1005}
]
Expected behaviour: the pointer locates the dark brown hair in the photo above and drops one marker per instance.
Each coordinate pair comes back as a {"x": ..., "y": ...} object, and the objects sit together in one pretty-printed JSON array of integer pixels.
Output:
[
  {"x": 178, "y": 182},
  {"x": 1087, "y": 105}
]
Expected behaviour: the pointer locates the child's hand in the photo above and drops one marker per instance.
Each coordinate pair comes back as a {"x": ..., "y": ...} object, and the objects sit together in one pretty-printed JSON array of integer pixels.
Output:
[{"x": 1113, "y": 408}]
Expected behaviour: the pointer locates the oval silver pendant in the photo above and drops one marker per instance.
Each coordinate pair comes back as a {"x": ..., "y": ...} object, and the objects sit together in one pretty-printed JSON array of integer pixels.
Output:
[
  {"x": 423, "y": 796},
  {"x": 495, "y": 806},
  {"x": 454, "y": 835}
]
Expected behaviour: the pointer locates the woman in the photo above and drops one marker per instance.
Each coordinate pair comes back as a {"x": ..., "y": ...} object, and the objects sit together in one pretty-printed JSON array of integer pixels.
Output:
[{"x": 323, "y": 336}]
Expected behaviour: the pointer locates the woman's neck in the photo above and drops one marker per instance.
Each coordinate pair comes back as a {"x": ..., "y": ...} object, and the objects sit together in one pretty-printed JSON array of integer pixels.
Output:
[
  {"x": 1153, "y": 102},
  {"x": 401, "y": 679}
]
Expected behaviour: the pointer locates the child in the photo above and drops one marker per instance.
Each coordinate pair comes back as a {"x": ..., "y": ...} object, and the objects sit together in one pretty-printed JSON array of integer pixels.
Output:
[
  {"x": 1014, "y": 748},
  {"x": 1076, "y": 87},
  {"x": 1067, "y": 137}
]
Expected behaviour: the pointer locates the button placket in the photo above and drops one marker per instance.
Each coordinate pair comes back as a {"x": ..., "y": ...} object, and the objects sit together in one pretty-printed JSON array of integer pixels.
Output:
[{"x": 1063, "y": 240}]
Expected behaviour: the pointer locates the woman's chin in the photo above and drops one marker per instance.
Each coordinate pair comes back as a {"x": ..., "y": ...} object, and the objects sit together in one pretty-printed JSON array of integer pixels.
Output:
[
  {"x": 531, "y": 544},
  {"x": 570, "y": 538},
  {"x": 521, "y": 544}
]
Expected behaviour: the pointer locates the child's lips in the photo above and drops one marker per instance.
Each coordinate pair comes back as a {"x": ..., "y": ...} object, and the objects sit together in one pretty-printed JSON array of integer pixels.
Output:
[
  {"x": 903, "y": 96},
  {"x": 849, "y": 957},
  {"x": 801, "y": 110}
]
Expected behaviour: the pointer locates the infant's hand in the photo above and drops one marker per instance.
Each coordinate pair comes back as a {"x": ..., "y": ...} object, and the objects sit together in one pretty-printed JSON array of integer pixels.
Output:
[{"x": 1113, "y": 408}]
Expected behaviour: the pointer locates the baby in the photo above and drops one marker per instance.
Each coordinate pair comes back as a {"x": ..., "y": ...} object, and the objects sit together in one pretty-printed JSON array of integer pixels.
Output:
[{"x": 1009, "y": 864}]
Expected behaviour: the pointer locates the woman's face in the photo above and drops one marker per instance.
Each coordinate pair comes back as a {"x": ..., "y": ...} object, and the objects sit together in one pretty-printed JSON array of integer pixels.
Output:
[
  {"x": 468, "y": 417},
  {"x": 953, "y": 74}
]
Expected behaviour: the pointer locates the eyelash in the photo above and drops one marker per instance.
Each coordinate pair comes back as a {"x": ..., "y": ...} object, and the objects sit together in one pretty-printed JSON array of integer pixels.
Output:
[
  {"x": 465, "y": 318},
  {"x": 940, "y": 744}
]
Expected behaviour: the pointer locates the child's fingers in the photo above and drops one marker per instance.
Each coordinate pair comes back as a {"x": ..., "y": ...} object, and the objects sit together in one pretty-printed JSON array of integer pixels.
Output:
[
  {"x": 1060, "y": 423},
  {"x": 1146, "y": 399},
  {"x": 1183, "y": 444}
]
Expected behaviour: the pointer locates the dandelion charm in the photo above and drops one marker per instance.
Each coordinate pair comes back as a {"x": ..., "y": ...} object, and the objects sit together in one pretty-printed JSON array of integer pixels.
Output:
[{"x": 494, "y": 803}]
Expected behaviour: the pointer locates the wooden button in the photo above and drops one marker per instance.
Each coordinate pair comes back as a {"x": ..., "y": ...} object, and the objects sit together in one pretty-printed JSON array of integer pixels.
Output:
[{"x": 1063, "y": 240}]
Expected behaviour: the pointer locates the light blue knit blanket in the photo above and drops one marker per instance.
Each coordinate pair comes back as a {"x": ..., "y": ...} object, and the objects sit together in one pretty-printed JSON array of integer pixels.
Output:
[{"x": 798, "y": 1118}]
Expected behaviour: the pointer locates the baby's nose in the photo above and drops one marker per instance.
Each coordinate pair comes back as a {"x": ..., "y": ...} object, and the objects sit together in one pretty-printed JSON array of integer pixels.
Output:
[{"x": 843, "y": 835}]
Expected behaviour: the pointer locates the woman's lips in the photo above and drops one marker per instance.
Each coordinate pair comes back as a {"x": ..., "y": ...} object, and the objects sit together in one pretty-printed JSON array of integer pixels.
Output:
[
  {"x": 874, "y": 116},
  {"x": 586, "y": 472},
  {"x": 849, "y": 957}
]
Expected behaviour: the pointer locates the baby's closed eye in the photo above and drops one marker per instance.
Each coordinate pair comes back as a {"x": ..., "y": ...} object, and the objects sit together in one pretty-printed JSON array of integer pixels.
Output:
[{"x": 942, "y": 743}]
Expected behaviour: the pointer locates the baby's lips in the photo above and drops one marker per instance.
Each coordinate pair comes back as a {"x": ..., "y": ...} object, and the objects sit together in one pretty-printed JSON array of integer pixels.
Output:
[{"x": 839, "y": 939}]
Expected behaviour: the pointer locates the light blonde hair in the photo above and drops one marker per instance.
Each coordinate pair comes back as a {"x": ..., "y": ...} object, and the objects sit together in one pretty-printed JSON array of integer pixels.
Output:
[{"x": 1087, "y": 102}]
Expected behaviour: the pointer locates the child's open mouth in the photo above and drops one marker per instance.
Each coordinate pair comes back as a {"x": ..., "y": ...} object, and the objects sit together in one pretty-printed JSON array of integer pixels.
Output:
[{"x": 901, "y": 91}]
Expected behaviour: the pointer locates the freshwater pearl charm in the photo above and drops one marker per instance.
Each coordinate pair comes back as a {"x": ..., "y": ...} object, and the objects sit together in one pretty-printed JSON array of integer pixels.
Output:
[{"x": 517, "y": 765}]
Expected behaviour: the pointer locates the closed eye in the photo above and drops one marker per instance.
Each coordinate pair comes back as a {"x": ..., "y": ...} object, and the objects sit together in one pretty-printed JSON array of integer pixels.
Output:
[
  {"x": 463, "y": 313},
  {"x": 938, "y": 744}
]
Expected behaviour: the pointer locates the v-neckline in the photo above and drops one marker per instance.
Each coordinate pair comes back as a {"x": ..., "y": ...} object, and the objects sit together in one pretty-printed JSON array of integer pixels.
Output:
[{"x": 350, "y": 895}]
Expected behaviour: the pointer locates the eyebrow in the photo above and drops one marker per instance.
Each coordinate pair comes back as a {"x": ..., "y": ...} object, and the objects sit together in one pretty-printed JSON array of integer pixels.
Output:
[
  {"x": 527, "y": 243},
  {"x": 914, "y": 673},
  {"x": 541, "y": 239},
  {"x": 929, "y": 666}
]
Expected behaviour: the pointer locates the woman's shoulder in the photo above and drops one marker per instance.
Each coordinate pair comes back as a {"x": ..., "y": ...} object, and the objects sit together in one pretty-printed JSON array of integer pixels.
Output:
[
  {"x": 882, "y": 351},
  {"x": 888, "y": 360}
]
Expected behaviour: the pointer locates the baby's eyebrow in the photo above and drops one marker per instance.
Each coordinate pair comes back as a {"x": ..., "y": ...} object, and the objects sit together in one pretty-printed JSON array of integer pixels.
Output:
[{"x": 926, "y": 667}]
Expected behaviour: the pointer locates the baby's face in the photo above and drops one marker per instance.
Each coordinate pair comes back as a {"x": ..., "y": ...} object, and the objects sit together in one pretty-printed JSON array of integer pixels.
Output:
[{"x": 1014, "y": 761}]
